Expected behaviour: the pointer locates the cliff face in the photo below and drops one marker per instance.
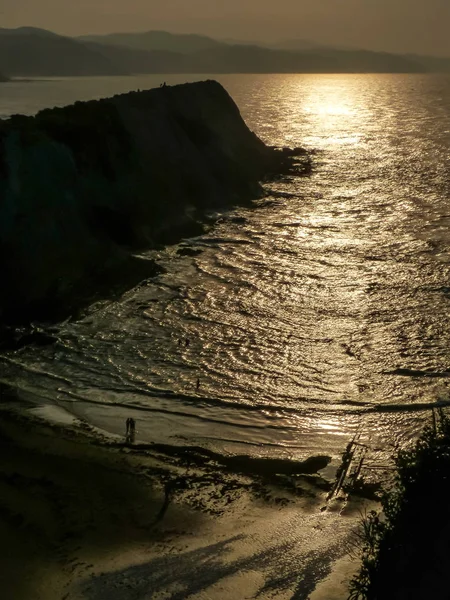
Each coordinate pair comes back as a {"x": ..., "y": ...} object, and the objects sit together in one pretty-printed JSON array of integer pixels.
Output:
[{"x": 82, "y": 186}]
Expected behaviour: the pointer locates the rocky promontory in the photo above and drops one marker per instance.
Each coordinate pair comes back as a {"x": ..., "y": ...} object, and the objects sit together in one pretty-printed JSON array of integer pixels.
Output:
[{"x": 85, "y": 186}]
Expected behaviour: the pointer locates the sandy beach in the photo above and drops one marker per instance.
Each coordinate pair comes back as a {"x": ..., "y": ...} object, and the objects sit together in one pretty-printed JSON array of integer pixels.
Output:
[{"x": 84, "y": 517}]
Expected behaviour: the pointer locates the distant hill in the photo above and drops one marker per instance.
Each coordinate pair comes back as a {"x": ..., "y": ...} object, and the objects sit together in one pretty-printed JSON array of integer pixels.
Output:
[
  {"x": 28, "y": 51},
  {"x": 297, "y": 44},
  {"x": 432, "y": 63},
  {"x": 160, "y": 51},
  {"x": 221, "y": 59},
  {"x": 3, "y": 78},
  {"x": 366, "y": 61},
  {"x": 156, "y": 41},
  {"x": 254, "y": 59},
  {"x": 35, "y": 52},
  {"x": 142, "y": 61}
]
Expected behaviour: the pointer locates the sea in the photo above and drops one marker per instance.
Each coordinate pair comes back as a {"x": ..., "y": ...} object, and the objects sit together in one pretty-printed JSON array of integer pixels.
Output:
[{"x": 318, "y": 314}]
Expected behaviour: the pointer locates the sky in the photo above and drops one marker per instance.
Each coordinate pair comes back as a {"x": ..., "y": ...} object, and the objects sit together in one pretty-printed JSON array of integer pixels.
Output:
[{"x": 421, "y": 26}]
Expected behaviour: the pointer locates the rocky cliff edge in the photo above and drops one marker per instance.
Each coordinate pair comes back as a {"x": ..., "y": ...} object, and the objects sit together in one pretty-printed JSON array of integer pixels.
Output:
[{"x": 83, "y": 187}]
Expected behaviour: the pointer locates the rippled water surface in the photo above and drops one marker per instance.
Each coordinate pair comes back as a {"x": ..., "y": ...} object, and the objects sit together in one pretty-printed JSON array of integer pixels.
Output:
[{"x": 297, "y": 310}]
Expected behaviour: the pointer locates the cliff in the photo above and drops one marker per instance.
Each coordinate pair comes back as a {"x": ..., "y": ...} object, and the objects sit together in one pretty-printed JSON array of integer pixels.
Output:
[{"x": 84, "y": 186}]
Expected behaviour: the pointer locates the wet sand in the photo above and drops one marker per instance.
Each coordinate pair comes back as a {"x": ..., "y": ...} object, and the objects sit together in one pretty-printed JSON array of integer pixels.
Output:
[{"x": 83, "y": 517}]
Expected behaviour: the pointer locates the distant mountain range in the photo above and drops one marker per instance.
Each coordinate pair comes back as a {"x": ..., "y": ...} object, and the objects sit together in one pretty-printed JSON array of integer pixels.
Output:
[
  {"x": 160, "y": 51},
  {"x": 34, "y": 52},
  {"x": 28, "y": 51},
  {"x": 156, "y": 40}
]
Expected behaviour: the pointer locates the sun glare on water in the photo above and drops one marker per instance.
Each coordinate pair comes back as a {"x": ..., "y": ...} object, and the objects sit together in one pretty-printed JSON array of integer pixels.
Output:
[{"x": 336, "y": 106}]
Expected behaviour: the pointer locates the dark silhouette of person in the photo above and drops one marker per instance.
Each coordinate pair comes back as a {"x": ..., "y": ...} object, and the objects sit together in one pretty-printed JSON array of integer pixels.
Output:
[
  {"x": 131, "y": 430},
  {"x": 188, "y": 341},
  {"x": 198, "y": 383}
]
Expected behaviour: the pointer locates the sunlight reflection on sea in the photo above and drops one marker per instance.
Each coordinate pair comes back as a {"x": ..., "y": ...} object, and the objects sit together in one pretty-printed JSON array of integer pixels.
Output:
[{"x": 299, "y": 311}]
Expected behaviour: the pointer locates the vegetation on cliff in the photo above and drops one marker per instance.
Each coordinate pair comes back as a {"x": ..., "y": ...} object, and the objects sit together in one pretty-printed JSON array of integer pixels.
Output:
[{"x": 406, "y": 549}]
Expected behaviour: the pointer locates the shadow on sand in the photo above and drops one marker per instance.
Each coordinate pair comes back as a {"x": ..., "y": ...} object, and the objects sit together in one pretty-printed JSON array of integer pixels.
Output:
[{"x": 284, "y": 565}]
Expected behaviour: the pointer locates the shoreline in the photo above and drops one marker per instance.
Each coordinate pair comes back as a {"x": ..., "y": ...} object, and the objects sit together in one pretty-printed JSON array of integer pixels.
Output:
[
  {"x": 136, "y": 171},
  {"x": 55, "y": 481},
  {"x": 77, "y": 509},
  {"x": 19, "y": 407}
]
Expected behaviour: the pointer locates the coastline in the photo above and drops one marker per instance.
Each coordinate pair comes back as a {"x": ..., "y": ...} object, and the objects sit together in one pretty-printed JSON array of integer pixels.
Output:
[
  {"x": 136, "y": 171},
  {"x": 69, "y": 500},
  {"x": 84, "y": 516}
]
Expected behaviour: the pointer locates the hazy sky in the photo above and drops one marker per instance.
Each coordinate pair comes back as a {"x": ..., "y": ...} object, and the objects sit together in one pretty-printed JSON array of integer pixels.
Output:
[{"x": 392, "y": 25}]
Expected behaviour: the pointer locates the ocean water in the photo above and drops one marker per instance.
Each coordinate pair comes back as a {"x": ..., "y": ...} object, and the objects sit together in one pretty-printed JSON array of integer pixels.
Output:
[{"x": 317, "y": 314}]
